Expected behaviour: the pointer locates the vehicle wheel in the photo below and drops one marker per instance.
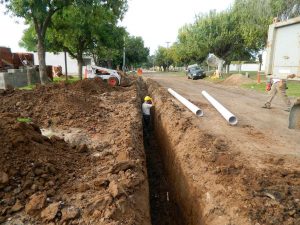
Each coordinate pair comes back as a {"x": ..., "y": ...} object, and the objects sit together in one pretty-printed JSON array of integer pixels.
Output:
[
  {"x": 112, "y": 81},
  {"x": 188, "y": 77}
]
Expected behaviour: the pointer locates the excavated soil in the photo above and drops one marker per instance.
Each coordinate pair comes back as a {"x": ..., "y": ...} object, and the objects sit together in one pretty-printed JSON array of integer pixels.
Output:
[
  {"x": 82, "y": 161},
  {"x": 98, "y": 177},
  {"x": 236, "y": 80}
]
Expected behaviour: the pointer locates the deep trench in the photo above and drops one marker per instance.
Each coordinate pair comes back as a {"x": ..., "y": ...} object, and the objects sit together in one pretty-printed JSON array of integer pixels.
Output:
[{"x": 164, "y": 209}]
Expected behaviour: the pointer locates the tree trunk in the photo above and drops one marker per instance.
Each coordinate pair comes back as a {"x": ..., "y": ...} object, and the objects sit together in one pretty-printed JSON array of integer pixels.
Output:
[
  {"x": 29, "y": 71},
  {"x": 227, "y": 68},
  {"x": 42, "y": 62},
  {"x": 80, "y": 64}
]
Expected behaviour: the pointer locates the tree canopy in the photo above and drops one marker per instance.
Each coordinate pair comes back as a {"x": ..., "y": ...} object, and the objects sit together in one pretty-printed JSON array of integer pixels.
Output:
[{"x": 236, "y": 34}]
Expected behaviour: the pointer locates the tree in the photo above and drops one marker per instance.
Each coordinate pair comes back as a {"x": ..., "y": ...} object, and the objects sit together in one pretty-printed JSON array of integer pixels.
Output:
[
  {"x": 163, "y": 57},
  {"x": 38, "y": 13},
  {"x": 255, "y": 16},
  {"x": 136, "y": 52},
  {"x": 87, "y": 27}
]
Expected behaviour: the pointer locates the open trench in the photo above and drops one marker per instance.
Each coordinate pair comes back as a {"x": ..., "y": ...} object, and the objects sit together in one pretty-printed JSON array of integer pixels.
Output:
[{"x": 164, "y": 209}]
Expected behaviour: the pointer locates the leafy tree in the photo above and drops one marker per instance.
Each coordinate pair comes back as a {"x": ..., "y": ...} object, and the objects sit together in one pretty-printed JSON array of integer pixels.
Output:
[
  {"x": 39, "y": 13},
  {"x": 136, "y": 52},
  {"x": 88, "y": 27},
  {"x": 163, "y": 57},
  {"x": 255, "y": 16},
  {"x": 238, "y": 33}
]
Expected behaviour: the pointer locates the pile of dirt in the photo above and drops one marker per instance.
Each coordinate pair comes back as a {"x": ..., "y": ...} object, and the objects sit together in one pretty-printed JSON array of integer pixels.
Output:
[
  {"x": 236, "y": 80},
  {"x": 33, "y": 167},
  {"x": 61, "y": 104},
  {"x": 100, "y": 179}
]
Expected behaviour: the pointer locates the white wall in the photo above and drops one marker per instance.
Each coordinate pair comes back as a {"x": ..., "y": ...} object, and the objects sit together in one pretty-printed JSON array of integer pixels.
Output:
[{"x": 59, "y": 60}]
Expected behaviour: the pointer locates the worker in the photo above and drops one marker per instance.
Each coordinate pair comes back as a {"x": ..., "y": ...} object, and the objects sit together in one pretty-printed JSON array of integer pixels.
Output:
[
  {"x": 278, "y": 85},
  {"x": 146, "y": 106}
]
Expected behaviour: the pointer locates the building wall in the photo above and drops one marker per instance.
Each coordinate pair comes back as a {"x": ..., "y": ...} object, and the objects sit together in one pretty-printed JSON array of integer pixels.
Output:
[{"x": 59, "y": 60}]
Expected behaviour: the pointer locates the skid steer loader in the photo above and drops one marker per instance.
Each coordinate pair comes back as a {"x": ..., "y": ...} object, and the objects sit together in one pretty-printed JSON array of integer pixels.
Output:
[{"x": 112, "y": 77}]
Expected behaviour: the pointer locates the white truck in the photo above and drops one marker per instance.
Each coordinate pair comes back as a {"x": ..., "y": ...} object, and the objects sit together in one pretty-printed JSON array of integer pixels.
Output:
[
  {"x": 111, "y": 76},
  {"x": 283, "y": 57},
  {"x": 283, "y": 48}
]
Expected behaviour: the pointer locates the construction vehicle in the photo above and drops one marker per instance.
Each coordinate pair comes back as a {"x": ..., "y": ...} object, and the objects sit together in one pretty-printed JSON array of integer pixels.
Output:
[
  {"x": 112, "y": 77},
  {"x": 283, "y": 57}
]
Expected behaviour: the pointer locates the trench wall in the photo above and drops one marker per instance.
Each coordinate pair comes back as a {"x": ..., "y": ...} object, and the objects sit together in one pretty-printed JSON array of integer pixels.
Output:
[{"x": 169, "y": 128}]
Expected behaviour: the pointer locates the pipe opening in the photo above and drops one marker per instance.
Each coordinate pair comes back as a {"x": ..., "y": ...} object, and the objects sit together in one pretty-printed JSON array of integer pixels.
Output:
[
  {"x": 199, "y": 112},
  {"x": 233, "y": 120}
]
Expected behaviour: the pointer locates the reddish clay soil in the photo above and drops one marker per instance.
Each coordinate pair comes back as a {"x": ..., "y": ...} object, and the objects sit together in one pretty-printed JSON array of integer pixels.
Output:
[
  {"x": 102, "y": 179},
  {"x": 205, "y": 171},
  {"x": 222, "y": 174}
]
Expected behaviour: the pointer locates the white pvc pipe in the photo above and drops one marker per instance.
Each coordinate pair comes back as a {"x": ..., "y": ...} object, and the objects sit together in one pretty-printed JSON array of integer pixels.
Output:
[
  {"x": 196, "y": 110},
  {"x": 231, "y": 119}
]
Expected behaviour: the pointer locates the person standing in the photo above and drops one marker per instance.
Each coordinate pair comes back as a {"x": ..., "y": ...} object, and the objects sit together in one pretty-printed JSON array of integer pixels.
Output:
[
  {"x": 146, "y": 106},
  {"x": 278, "y": 86}
]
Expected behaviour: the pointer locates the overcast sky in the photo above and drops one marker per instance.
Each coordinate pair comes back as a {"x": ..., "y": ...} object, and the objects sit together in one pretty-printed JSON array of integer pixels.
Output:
[{"x": 156, "y": 21}]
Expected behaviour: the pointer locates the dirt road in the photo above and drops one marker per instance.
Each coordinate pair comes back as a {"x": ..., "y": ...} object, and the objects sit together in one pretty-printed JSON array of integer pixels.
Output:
[{"x": 260, "y": 133}]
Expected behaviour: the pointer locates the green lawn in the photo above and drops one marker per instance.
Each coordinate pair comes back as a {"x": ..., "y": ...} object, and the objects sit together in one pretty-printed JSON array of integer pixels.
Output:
[
  {"x": 28, "y": 87},
  {"x": 293, "y": 88},
  {"x": 71, "y": 79}
]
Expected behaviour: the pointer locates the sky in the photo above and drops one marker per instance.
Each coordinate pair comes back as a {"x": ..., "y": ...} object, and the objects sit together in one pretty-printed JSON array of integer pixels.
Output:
[{"x": 156, "y": 21}]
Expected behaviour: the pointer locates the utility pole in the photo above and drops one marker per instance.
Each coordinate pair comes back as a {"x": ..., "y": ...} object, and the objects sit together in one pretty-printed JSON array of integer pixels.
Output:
[
  {"x": 66, "y": 65},
  {"x": 124, "y": 55},
  {"x": 168, "y": 42}
]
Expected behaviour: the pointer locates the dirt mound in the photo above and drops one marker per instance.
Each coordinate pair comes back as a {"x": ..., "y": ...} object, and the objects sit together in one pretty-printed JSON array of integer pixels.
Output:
[
  {"x": 32, "y": 164},
  {"x": 236, "y": 80},
  {"x": 60, "y": 104},
  {"x": 126, "y": 79},
  {"x": 91, "y": 86},
  {"x": 98, "y": 179}
]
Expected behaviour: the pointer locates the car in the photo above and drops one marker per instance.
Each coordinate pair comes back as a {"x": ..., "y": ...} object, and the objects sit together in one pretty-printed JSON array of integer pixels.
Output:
[{"x": 195, "y": 72}]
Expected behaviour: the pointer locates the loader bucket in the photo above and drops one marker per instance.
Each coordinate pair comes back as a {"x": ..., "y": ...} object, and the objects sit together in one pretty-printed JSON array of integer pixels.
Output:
[{"x": 294, "y": 118}]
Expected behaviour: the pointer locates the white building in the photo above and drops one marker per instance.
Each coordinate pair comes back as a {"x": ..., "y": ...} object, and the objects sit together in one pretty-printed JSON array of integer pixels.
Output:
[{"x": 59, "y": 60}]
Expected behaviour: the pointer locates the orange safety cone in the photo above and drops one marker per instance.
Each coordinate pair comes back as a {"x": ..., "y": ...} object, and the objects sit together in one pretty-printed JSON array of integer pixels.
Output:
[
  {"x": 139, "y": 72},
  {"x": 258, "y": 77},
  {"x": 85, "y": 73}
]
